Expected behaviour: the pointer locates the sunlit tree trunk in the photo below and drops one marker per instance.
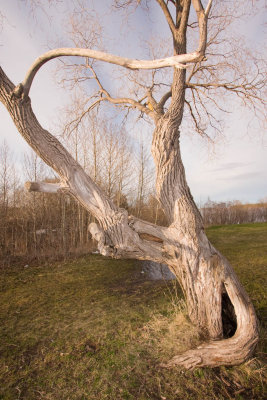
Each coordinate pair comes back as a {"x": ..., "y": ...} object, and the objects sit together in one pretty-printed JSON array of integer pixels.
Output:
[
  {"x": 207, "y": 279},
  {"x": 210, "y": 286}
]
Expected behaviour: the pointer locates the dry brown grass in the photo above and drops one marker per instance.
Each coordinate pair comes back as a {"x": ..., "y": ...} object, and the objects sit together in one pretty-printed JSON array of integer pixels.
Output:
[
  {"x": 166, "y": 335},
  {"x": 95, "y": 329}
]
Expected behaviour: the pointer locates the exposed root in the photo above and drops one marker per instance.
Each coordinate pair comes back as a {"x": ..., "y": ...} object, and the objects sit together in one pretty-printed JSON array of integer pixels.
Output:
[
  {"x": 184, "y": 360},
  {"x": 233, "y": 351}
]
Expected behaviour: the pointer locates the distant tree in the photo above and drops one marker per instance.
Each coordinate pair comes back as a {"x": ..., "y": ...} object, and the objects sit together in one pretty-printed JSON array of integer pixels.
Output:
[
  {"x": 5, "y": 190},
  {"x": 209, "y": 283},
  {"x": 144, "y": 177}
]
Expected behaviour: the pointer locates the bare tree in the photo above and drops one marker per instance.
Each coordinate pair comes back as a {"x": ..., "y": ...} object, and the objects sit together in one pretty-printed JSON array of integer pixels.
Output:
[
  {"x": 124, "y": 170},
  {"x": 34, "y": 171},
  {"x": 5, "y": 189},
  {"x": 145, "y": 176},
  {"x": 5, "y": 174},
  {"x": 210, "y": 285}
]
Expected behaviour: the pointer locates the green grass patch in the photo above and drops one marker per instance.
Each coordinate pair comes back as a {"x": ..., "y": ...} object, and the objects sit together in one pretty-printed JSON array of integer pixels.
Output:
[
  {"x": 95, "y": 328},
  {"x": 245, "y": 246}
]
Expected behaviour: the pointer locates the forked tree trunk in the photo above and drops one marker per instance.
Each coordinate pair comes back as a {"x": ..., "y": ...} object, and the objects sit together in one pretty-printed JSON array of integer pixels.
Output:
[{"x": 210, "y": 286}]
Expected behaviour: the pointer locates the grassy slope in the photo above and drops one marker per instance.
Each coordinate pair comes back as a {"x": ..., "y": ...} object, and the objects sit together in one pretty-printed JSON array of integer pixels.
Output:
[{"x": 94, "y": 328}]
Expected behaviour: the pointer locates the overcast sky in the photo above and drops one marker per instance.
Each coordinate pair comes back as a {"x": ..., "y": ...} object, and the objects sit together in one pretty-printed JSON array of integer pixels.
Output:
[{"x": 234, "y": 168}]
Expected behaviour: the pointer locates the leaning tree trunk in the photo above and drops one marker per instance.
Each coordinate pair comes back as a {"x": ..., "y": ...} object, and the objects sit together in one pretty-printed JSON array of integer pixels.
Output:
[
  {"x": 216, "y": 301},
  {"x": 210, "y": 286}
]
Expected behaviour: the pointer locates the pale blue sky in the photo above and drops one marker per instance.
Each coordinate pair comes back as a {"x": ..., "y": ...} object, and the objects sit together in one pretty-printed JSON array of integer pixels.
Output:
[{"x": 235, "y": 167}]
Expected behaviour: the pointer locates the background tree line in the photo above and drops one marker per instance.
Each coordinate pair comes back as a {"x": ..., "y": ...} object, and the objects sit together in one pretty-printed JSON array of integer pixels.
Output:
[
  {"x": 233, "y": 212},
  {"x": 38, "y": 225}
]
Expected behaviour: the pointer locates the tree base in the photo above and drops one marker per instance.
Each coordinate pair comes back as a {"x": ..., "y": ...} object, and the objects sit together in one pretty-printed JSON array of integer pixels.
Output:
[{"x": 233, "y": 351}]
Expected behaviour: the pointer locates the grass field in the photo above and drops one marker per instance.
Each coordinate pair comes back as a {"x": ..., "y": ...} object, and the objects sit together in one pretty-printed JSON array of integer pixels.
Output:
[{"x": 96, "y": 328}]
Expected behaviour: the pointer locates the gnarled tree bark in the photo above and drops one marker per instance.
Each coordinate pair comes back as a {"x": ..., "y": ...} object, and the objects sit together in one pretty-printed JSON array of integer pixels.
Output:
[
  {"x": 204, "y": 274},
  {"x": 210, "y": 285}
]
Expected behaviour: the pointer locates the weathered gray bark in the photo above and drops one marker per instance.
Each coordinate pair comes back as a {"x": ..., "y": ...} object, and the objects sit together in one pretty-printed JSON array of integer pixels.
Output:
[
  {"x": 205, "y": 276},
  {"x": 210, "y": 286}
]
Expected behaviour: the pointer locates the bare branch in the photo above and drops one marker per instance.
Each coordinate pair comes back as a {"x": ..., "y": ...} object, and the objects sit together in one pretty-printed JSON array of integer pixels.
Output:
[
  {"x": 72, "y": 125},
  {"x": 177, "y": 61},
  {"x": 174, "y": 61},
  {"x": 121, "y": 100},
  {"x": 168, "y": 16},
  {"x": 163, "y": 100},
  {"x": 184, "y": 16},
  {"x": 43, "y": 187},
  {"x": 202, "y": 17},
  {"x": 197, "y": 127},
  {"x": 237, "y": 89},
  {"x": 207, "y": 11},
  {"x": 141, "y": 226}
]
